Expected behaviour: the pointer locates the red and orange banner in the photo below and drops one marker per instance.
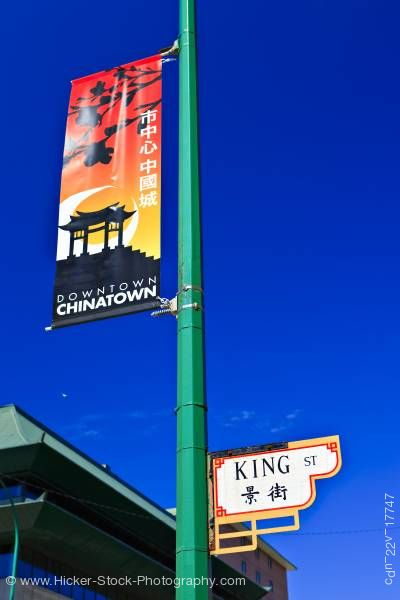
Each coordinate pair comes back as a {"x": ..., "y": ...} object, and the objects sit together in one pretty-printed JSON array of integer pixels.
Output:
[{"x": 108, "y": 248}]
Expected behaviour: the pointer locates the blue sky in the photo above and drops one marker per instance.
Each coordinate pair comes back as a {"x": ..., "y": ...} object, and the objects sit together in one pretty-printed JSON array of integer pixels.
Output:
[{"x": 300, "y": 129}]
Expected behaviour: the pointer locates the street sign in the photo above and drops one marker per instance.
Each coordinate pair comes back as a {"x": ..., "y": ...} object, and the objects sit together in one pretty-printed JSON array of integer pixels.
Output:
[{"x": 265, "y": 482}]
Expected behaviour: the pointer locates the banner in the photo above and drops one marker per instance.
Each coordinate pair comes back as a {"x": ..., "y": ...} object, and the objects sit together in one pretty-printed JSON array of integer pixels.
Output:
[{"x": 108, "y": 250}]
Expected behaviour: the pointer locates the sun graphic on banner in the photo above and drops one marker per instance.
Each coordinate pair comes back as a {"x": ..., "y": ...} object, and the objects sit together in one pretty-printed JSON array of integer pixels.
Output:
[{"x": 93, "y": 200}]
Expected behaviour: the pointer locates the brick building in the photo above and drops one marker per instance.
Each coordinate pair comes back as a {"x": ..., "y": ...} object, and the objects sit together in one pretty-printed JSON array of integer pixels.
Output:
[{"x": 265, "y": 566}]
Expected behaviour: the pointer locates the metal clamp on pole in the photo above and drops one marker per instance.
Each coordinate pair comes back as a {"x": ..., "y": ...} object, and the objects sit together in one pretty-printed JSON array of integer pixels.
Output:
[
  {"x": 194, "y": 305},
  {"x": 167, "y": 307},
  {"x": 188, "y": 287},
  {"x": 170, "y": 307}
]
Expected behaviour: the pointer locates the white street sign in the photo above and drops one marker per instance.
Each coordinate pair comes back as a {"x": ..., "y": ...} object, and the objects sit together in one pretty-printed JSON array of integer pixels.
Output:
[{"x": 264, "y": 484}]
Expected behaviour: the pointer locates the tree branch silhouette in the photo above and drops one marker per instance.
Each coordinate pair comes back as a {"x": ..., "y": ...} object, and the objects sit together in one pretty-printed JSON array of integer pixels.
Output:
[{"x": 92, "y": 115}]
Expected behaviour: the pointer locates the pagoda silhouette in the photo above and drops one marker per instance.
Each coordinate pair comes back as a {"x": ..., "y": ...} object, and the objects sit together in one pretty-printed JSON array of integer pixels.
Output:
[
  {"x": 107, "y": 219},
  {"x": 110, "y": 266}
]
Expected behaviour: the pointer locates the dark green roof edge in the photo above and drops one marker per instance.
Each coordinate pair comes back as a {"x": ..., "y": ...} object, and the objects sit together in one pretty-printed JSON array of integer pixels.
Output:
[
  {"x": 39, "y": 433},
  {"x": 22, "y": 430},
  {"x": 39, "y": 519}
]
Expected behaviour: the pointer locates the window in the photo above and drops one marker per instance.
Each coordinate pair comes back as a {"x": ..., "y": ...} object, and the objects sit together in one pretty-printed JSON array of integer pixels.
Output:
[
  {"x": 24, "y": 569},
  {"x": 12, "y": 491},
  {"x": 5, "y": 564},
  {"x": 33, "y": 564},
  {"x": 269, "y": 562},
  {"x": 270, "y": 586},
  {"x": 78, "y": 592},
  {"x": 258, "y": 577},
  {"x": 258, "y": 554},
  {"x": 244, "y": 567},
  {"x": 15, "y": 492},
  {"x": 39, "y": 572}
]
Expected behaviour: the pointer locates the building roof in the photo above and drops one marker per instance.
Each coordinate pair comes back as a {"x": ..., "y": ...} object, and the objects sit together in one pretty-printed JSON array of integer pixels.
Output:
[
  {"x": 72, "y": 541},
  {"x": 84, "y": 505},
  {"x": 20, "y": 430}
]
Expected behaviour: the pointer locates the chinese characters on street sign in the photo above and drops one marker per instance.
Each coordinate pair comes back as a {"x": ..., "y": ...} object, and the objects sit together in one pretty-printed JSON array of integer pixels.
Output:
[{"x": 265, "y": 483}]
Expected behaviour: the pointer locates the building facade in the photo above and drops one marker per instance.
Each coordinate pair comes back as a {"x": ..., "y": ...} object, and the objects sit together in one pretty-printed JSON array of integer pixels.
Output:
[
  {"x": 265, "y": 566},
  {"x": 86, "y": 534}
]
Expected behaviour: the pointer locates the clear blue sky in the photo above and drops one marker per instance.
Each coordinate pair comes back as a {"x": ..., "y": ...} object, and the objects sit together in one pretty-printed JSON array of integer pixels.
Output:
[{"x": 300, "y": 130}]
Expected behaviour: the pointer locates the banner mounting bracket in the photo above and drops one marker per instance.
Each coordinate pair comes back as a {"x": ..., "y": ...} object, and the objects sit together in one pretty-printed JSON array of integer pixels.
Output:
[
  {"x": 167, "y": 307},
  {"x": 170, "y": 50}
]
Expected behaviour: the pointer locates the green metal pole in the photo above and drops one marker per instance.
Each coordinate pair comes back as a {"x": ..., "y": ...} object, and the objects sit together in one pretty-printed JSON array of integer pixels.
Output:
[
  {"x": 191, "y": 513},
  {"x": 16, "y": 545}
]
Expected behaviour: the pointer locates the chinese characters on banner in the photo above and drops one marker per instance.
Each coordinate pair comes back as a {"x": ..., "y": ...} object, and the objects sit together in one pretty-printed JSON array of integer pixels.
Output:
[
  {"x": 266, "y": 483},
  {"x": 108, "y": 250}
]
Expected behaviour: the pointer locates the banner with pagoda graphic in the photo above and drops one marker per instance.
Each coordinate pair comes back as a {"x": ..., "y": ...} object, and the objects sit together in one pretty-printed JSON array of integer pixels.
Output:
[{"x": 108, "y": 250}]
